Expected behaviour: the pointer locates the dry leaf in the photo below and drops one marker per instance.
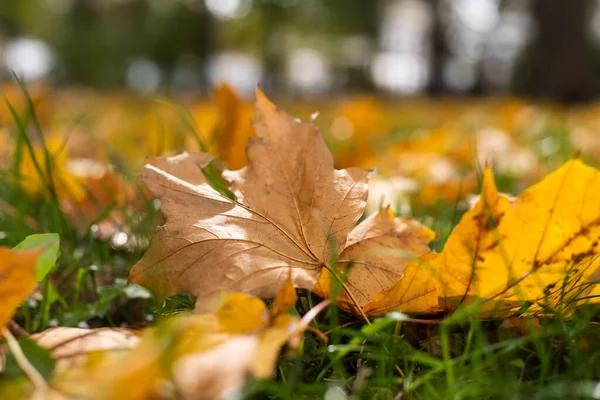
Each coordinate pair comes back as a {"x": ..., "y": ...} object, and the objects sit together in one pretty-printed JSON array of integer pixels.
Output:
[
  {"x": 17, "y": 279},
  {"x": 194, "y": 357},
  {"x": 283, "y": 224},
  {"x": 534, "y": 249},
  {"x": 293, "y": 211},
  {"x": 72, "y": 346},
  {"x": 238, "y": 339},
  {"x": 377, "y": 250},
  {"x": 415, "y": 292}
]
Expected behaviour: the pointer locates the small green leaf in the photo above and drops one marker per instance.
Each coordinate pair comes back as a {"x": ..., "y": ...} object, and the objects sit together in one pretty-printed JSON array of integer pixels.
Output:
[
  {"x": 39, "y": 357},
  {"x": 47, "y": 260}
]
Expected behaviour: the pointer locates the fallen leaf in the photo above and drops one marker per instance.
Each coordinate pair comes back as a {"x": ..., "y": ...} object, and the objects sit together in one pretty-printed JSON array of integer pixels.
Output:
[
  {"x": 285, "y": 298},
  {"x": 293, "y": 212},
  {"x": 225, "y": 126},
  {"x": 535, "y": 249},
  {"x": 475, "y": 234},
  {"x": 131, "y": 371},
  {"x": 72, "y": 346},
  {"x": 17, "y": 279},
  {"x": 216, "y": 373},
  {"x": 291, "y": 204},
  {"x": 233, "y": 128},
  {"x": 204, "y": 356},
  {"x": 377, "y": 251},
  {"x": 216, "y": 354},
  {"x": 415, "y": 292}
]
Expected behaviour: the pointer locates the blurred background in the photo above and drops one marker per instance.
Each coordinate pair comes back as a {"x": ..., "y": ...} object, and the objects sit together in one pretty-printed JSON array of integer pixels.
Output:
[
  {"x": 308, "y": 48},
  {"x": 425, "y": 91}
]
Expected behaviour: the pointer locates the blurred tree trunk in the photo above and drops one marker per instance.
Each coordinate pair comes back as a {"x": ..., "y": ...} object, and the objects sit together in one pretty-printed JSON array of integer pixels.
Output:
[
  {"x": 204, "y": 42},
  {"x": 369, "y": 14},
  {"x": 273, "y": 19},
  {"x": 439, "y": 51},
  {"x": 559, "y": 63}
]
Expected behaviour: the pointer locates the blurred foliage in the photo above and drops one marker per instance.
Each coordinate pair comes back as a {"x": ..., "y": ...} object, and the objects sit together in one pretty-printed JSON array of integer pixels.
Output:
[{"x": 95, "y": 41}]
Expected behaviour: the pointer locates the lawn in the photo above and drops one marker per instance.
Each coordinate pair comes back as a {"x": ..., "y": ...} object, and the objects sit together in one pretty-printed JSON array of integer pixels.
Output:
[{"x": 70, "y": 166}]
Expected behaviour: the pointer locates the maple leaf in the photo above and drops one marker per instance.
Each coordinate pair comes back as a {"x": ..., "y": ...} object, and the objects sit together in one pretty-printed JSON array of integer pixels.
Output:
[
  {"x": 459, "y": 264},
  {"x": 293, "y": 211}
]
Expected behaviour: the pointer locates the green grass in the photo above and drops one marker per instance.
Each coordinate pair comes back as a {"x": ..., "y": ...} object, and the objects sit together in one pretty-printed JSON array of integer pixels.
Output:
[{"x": 460, "y": 356}]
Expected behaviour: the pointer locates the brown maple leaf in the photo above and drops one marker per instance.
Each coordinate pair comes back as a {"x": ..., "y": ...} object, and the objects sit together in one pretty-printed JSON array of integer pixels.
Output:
[{"x": 293, "y": 211}]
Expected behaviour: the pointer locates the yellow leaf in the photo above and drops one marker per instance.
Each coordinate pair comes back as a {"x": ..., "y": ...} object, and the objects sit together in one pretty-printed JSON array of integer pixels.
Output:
[
  {"x": 225, "y": 126},
  {"x": 134, "y": 374},
  {"x": 464, "y": 249},
  {"x": 217, "y": 372},
  {"x": 97, "y": 364},
  {"x": 415, "y": 292},
  {"x": 535, "y": 249},
  {"x": 234, "y": 128},
  {"x": 241, "y": 314},
  {"x": 66, "y": 185},
  {"x": 17, "y": 279},
  {"x": 199, "y": 356},
  {"x": 267, "y": 350},
  {"x": 285, "y": 298}
]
